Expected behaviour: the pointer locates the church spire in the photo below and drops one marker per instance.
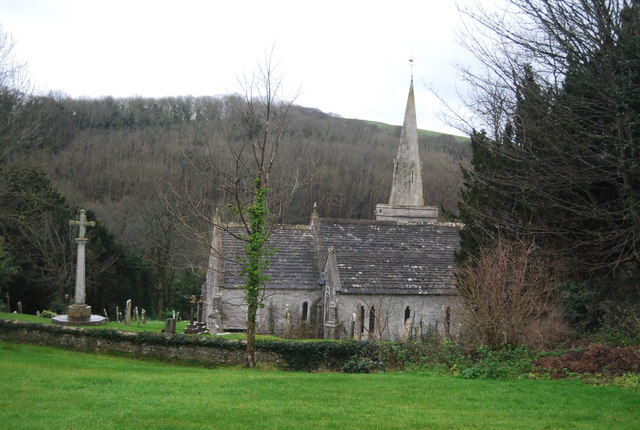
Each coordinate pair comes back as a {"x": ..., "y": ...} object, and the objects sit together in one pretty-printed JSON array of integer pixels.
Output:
[
  {"x": 406, "y": 203},
  {"x": 406, "y": 188}
]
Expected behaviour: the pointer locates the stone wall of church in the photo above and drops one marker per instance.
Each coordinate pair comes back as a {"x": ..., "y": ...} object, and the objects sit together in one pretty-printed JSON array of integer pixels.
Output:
[
  {"x": 397, "y": 318},
  {"x": 292, "y": 313},
  {"x": 287, "y": 312}
]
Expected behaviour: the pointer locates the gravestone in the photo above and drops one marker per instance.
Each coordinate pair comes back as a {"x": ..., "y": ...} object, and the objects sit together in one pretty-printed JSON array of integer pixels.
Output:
[
  {"x": 127, "y": 313},
  {"x": 144, "y": 316},
  {"x": 195, "y": 327},
  {"x": 79, "y": 313},
  {"x": 287, "y": 321},
  {"x": 170, "y": 325}
]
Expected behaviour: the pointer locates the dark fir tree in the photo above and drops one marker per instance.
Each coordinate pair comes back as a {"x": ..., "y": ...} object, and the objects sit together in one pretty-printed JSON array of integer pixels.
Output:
[{"x": 561, "y": 164}]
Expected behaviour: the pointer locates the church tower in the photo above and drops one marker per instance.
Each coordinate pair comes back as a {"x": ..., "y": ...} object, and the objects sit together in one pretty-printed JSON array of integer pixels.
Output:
[{"x": 406, "y": 202}]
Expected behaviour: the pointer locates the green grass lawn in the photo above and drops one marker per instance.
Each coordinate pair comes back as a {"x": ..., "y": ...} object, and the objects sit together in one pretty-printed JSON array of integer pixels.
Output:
[
  {"x": 48, "y": 388},
  {"x": 151, "y": 325}
]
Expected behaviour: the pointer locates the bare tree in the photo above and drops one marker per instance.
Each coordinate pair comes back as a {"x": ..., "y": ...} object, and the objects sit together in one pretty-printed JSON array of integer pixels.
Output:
[
  {"x": 509, "y": 293},
  {"x": 253, "y": 130}
]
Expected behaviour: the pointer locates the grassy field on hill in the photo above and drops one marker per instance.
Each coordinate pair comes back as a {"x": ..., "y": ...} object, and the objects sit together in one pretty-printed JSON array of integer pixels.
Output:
[{"x": 48, "y": 388}]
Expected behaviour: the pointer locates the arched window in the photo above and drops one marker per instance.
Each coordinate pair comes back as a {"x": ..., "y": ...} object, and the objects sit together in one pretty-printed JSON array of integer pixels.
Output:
[
  {"x": 361, "y": 319},
  {"x": 407, "y": 314},
  {"x": 305, "y": 311},
  {"x": 372, "y": 319},
  {"x": 447, "y": 321}
]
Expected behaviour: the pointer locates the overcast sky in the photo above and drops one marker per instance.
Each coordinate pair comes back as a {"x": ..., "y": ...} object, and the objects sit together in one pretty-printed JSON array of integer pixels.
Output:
[{"x": 347, "y": 57}]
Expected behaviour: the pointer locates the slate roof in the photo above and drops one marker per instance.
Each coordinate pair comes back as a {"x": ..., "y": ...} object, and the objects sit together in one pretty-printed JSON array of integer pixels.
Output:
[
  {"x": 387, "y": 258},
  {"x": 293, "y": 266},
  {"x": 372, "y": 257}
]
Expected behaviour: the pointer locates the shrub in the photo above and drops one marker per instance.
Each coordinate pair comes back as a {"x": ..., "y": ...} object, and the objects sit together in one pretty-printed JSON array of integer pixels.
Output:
[
  {"x": 620, "y": 326},
  {"x": 48, "y": 314},
  {"x": 509, "y": 291},
  {"x": 580, "y": 302},
  {"x": 506, "y": 362},
  {"x": 362, "y": 365},
  {"x": 322, "y": 354}
]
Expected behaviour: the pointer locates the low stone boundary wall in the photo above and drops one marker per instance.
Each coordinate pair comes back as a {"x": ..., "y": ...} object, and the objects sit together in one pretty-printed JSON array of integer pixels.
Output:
[
  {"x": 209, "y": 351},
  {"x": 206, "y": 351}
]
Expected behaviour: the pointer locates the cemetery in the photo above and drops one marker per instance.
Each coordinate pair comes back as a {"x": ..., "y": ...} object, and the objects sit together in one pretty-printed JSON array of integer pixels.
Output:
[{"x": 243, "y": 261}]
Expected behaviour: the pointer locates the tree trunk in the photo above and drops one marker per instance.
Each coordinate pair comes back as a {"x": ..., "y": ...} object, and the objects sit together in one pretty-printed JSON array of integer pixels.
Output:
[{"x": 251, "y": 334}]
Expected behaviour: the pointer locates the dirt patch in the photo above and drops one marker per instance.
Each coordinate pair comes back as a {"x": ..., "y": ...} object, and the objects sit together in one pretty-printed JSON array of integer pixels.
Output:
[{"x": 594, "y": 359}]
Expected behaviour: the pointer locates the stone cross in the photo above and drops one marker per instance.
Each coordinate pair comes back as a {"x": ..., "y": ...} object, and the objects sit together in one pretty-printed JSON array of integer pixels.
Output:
[
  {"x": 81, "y": 240},
  {"x": 82, "y": 223}
]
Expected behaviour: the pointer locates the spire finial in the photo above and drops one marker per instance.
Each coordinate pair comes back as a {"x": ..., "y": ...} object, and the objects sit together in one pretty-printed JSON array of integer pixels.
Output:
[{"x": 411, "y": 62}]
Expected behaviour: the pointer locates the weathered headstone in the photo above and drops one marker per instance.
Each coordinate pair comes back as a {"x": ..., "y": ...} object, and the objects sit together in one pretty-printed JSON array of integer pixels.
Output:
[
  {"x": 196, "y": 325},
  {"x": 287, "y": 321},
  {"x": 127, "y": 313},
  {"x": 407, "y": 331},
  {"x": 105, "y": 314},
  {"x": 144, "y": 316},
  {"x": 354, "y": 318},
  {"x": 136, "y": 316},
  {"x": 191, "y": 304},
  {"x": 19, "y": 307},
  {"x": 170, "y": 325}
]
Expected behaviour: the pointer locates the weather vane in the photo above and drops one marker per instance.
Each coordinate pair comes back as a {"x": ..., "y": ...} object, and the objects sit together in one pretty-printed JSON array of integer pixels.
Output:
[{"x": 411, "y": 61}]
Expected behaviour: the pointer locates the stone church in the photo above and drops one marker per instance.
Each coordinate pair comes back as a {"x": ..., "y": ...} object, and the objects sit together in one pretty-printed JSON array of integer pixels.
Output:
[{"x": 390, "y": 278}]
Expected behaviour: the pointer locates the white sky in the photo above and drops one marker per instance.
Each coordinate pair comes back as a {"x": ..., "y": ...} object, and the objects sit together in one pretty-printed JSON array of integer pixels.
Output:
[{"x": 348, "y": 57}]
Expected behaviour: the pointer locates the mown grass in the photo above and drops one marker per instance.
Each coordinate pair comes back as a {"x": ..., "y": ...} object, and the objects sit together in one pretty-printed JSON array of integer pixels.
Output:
[
  {"x": 150, "y": 326},
  {"x": 48, "y": 388}
]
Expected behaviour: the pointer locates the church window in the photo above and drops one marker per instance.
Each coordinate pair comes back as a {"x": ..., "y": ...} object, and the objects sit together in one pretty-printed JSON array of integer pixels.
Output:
[
  {"x": 372, "y": 319},
  {"x": 361, "y": 319},
  {"x": 447, "y": 321},
  {"x": 305, "y": 311},
  {"x": 407, "y": 314}
]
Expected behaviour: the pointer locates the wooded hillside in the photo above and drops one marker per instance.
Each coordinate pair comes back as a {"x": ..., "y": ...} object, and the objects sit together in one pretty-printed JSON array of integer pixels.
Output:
[{"x": 123, "y": 151}]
